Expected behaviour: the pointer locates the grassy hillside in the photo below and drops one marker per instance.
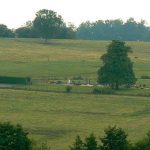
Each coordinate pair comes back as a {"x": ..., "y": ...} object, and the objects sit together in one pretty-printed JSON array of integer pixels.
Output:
[
  {"x": 62, "y": 58},
  {"x": 50, "y": 114},
  {"x": 58, "y": 118}
]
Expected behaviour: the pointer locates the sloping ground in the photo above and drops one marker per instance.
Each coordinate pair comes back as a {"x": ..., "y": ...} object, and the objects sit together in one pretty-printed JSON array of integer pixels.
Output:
[
  {"x": 63, "y": 58},
  {"x": 58, "y": 118}
]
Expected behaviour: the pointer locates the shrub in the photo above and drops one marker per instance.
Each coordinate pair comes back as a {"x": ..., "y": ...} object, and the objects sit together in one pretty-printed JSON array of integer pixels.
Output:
[
  {"x": 13, "y": 137},
  {"x": 78, "y": 144},
  {"x": 59, "y": 82},
  {"x": 114, "y": 139},
  {"x": 145, "y": 77},
  {"x": 68, "y": 89},
  {"x": 143, "y": 144},
  {"x": 91, "y": 143},
  {"x": 98, "y": 90},
  {"x": 15, "y": 80},
  {"x": 41, "y": 146},
  {"x": 77, "y": 78}
]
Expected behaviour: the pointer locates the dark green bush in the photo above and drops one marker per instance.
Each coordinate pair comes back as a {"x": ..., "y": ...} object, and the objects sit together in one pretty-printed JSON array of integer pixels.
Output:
[
  {"x": 90, "y": 143},
  {"x": 98, "y": 90},
  {"x": 114, "y": 139},
  {"x": 143, "y": 144},
  {"x": 78, "y": 144},
  {"x": 15, "y": 80},
  {"x": 145, "y": 77},
  {"x": 77, "y": 78},
  {"x": 68, "y": 89},
  {"x": 12, "y": 137}
]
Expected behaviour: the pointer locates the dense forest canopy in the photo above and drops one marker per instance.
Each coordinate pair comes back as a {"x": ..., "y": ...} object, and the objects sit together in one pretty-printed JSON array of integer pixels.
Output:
[{"x": 114, "y": 29}]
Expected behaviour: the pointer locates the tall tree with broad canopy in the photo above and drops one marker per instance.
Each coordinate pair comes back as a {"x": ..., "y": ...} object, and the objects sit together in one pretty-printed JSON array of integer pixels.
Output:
[
  {"x": 117, "y": 67},
  {"x": 47, "y": 23}
]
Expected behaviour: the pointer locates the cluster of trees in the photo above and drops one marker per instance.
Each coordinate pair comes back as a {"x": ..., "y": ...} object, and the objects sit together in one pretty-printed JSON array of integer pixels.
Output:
[
  {"x": 47, "y": 24},
  {"x": 114, "y": 139},
  {"x": 5, "y": 32},
  {"x": 114, "y": 30}
]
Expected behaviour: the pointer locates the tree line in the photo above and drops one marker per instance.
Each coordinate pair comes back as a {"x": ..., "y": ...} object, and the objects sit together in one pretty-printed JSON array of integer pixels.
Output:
[
  {"x": 114, "y": 139},
  {"x": 48, "y": 24},
  {"x": 114, "y": 29}
]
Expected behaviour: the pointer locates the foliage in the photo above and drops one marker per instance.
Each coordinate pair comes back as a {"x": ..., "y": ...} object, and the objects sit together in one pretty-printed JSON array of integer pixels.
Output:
[
  {"x": 114, "y": 29},
  {"x": 15, "y": 80},
  {"x": 114, "y": 139},
  {"x": 78, "y": 144},
  {"x": 27, "y": 31},
  {"x": 90, "y": 143},
  {"x": 13, "y": 137},
  {"x": 66, "y": 32},
  {"x": 117, "y": 67},
  {"x": 5, "y": 32},
  {"x": 68, "y": 89},
  {"x": 98, "y": 90},
  {"x": 143, "y": 144},
  {"x": 47, "y": 23},
  {"x": 145, "y": 77},
  {"x": 41, "y": 146}
]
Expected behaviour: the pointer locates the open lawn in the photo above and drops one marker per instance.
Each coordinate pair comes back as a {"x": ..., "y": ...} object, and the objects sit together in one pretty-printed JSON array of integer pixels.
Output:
[{"x": 48, "y": 113}]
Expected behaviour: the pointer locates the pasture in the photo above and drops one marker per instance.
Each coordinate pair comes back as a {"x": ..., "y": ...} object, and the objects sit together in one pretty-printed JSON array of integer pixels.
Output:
[
  {"x": 62, "y": 59},
  {"x": 48, "y": 113}
]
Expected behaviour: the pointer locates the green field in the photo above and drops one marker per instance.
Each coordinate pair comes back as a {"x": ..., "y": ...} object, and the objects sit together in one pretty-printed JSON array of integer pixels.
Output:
[
  {"x": 48, "y": 113},
  {"x": 62, "y": 59}
]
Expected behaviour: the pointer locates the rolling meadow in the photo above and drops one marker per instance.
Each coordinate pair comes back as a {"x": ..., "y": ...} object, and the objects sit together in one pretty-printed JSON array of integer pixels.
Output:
[{"x": 50, "y": 114}]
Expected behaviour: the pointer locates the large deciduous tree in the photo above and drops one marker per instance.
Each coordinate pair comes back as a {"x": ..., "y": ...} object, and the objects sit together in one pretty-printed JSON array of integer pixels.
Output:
[
  {"x": 117, "y": 67},
  {"x": 47, "y": 23}
]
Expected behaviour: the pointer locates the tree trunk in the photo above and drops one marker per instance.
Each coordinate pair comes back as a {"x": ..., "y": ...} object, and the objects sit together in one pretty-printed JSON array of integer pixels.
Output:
[
  {"x": 46, "y": 40},
  {"x": 116, "y": 86},
  {"x": 112, "y": 86}
]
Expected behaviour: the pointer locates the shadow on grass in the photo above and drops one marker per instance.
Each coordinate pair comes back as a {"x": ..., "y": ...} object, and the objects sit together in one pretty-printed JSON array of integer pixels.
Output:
[
  {"x": 144, "y": 111},
  {"x": 50, "y": 133}
]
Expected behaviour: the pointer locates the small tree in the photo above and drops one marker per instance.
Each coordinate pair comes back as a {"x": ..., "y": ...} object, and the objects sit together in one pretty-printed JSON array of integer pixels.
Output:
[
  {"x": 13, "y": 137},
  {"x": 114, "y": 139},
  {"x": 143, "y": 144},
  {"x": 118, "y": 68},
  {"x": 78, "y": 144},
  {"x": 90, "y": 143}
]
